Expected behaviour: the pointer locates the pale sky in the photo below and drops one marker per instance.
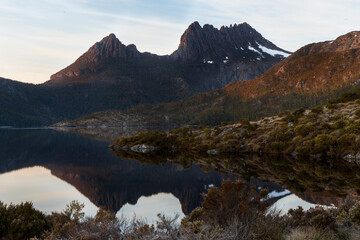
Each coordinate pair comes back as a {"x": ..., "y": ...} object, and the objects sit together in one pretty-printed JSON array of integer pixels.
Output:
[{"x": 41, "y": 37}]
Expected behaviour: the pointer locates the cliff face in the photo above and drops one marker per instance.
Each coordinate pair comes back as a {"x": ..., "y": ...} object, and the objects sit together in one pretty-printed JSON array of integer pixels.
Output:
[{"x": 227, "y": 44}]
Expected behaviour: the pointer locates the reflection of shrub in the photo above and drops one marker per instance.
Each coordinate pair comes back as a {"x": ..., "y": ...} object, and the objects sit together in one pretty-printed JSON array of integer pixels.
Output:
[{"x": 278, "y": 146}]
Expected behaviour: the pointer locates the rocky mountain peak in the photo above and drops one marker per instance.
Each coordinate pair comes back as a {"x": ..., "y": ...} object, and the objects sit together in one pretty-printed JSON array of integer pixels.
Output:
[
  {"x": 108, "y": 48},
  {"x": 238, "y": 41}
]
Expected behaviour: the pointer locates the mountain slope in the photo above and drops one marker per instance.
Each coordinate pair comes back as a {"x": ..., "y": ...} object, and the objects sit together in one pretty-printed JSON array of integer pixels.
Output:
[
  {"x": 111, "y": 75},
  {"x": 308, "y": 77}
]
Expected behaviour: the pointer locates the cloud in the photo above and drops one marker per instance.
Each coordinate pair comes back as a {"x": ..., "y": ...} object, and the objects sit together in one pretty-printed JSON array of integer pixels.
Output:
[{"x": 56, "y": 32}]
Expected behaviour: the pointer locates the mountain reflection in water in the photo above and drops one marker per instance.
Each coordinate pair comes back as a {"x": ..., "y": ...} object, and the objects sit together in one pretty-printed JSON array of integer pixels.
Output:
[
  {"x": 86, "y": 170},
  {"x": 97, "y": 173}
]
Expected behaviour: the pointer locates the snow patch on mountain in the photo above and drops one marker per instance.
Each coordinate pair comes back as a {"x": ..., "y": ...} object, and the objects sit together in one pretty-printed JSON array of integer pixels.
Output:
[{"x": 273, "y": 52}]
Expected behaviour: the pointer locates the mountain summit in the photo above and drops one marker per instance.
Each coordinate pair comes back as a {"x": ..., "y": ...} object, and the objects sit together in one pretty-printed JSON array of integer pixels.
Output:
[
  {"x": 108, "y": 48},
  {"x": 239, "y": 41}
]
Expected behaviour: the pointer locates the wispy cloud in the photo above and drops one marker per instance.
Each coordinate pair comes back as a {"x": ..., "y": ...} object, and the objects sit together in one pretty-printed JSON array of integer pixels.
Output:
[{"x": 53, "y": 33}]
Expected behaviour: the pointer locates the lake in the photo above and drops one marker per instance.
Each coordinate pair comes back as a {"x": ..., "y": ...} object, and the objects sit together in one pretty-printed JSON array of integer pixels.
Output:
[{"x": 52, "y": 168}]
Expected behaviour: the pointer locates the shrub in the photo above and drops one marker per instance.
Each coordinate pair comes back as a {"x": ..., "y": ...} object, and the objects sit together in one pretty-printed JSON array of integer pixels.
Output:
[
  {"x": 21, "y": 221},
  {"x": 353, "y": 128},
  {"x": 354, "y": 213},
  {"x": 346, "y": 141},
  {"x": 303, "y": 150},
  {"x": 357, "y": 113},
  {"x": 220, "y": 205},
  {"x": 317, "y": 110},
  {"x": 324, "y": 143},
  {"x": 304, "y": 130}
]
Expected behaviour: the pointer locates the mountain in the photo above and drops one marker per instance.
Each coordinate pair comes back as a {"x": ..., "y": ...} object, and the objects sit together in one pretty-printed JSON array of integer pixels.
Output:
[
  {"x": 207, "y": 58},
  {"x": 111, "y": 75},
  {"x": 308, "y": 77},
  {"x": 209, "y": 44}
]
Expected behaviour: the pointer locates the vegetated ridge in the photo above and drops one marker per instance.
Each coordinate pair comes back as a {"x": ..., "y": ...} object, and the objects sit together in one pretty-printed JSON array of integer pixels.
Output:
[{"x": 332, "y": 130}]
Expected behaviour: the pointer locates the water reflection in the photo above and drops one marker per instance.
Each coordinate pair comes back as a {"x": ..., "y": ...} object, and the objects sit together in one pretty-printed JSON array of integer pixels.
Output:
[
  {"x": 95, "y": 172},
  {"x": 65, "y": 166},
  {"x": 36, "y": 184},
  {"x": 325, "y": 181}
]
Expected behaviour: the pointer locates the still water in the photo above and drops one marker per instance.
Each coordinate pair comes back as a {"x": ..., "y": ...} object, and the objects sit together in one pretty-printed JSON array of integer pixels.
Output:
[{"x": 51, "y": 168}]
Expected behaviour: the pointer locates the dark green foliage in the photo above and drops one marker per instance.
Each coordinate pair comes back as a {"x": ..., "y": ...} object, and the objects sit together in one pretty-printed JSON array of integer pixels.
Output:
[
  {"x": 324, "y": 143},
  {"x": 354, "y": 213},
  {"x": 304, "y": 130},
  {"x": 346, "y": 142},
  {"x": 21, "y": 221},
  {"x": 357, "y": 113},
  {"x": 278, "y": 147},
  {"x": 153, "y": 138},
  {"x": 220, "y": 204},
  {"x": 353, "y": 128},
  {"x": 317, "y": 110},
  {"x": 317, "y": 217},
  {"x": 347, "y": 97},
  {"x": 303, "y": 150},
  {"x": 294, "y": 116},
  {"x": 212, "y": 116}
]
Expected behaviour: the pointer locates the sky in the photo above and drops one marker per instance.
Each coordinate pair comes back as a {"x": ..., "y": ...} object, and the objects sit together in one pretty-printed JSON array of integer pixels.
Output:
[{"x": 39, "y": 38}]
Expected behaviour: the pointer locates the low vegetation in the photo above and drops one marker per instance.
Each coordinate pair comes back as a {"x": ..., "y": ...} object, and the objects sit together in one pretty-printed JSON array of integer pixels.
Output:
[
  {"x": 233, "y": 211},
  {"x": 331, "y": 130}
]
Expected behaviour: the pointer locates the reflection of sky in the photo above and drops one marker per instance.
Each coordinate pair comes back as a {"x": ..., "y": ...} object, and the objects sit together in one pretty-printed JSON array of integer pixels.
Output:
[
  {"x": 149, "y": 207},
  {"x": 48, "y": 193},
  {"x": 291, "y": 202}
]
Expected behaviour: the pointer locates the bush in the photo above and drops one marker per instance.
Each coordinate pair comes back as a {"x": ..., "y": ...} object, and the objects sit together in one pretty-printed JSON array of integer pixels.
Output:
[
  {"x": 354, "y": 213},
  {"x": 317, "y": 110},
  {"x": 303, "y": 150},
  {"x": 346, "y": 141},
  {"x": 304, "y": 130},
  {"x": 220, "y": 205},
  {"x": 21, "y": 221},
  {"x": 324, "y": 143}
]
